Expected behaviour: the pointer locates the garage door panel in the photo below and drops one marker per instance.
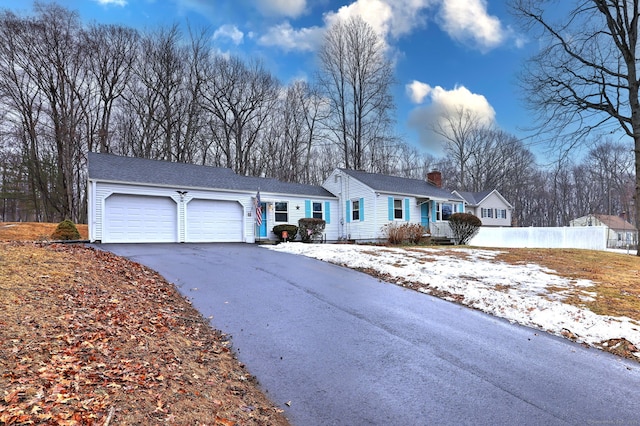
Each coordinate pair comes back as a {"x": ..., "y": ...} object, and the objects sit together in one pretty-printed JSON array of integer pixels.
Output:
[
  {"x": 214, "y": 221},
  {"x": 138, "y": 218}
]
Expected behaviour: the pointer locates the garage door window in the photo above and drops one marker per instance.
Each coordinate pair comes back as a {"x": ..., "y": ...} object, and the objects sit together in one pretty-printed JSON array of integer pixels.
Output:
[{"x": 282, "y": 211}]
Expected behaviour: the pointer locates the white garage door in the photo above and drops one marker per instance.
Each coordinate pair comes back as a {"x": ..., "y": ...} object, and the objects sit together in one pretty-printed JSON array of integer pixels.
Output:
[
  {"x": 214, "y": 221},
  {"x": 140, "y": 219}
]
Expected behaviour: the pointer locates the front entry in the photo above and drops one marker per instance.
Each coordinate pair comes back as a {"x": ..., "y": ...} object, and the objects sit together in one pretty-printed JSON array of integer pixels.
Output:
[
  {"x": 262, "y": 227},
  {"x": 424, "y": 215}
]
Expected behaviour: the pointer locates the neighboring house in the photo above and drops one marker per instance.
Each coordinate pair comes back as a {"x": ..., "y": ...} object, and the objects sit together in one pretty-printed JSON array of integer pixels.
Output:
[
  {"x": 368, "y": 201},
  {"x": 139, "y": 200},
  {"x": 620, "y": 233},
  {"x": 490, "y": 206}
]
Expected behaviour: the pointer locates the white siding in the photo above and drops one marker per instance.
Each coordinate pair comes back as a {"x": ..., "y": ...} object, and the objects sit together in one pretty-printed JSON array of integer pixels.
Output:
[
  {"x": 238, "y": 217},
  {"x": 297, "y": 211},
  {"x": 105, "y": 189},
  {"x": 347, "y": 189},
  {"x": 376, "y": 207},
  {"x": 494, "y": 202}
]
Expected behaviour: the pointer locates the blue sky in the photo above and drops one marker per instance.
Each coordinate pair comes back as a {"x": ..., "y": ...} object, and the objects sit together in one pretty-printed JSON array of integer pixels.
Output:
[{"x": 446, "y": 52}]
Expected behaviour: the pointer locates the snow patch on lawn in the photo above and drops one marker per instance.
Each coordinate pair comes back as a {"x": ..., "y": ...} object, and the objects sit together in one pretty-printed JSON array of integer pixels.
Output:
[{"x": 519, "y": 293}]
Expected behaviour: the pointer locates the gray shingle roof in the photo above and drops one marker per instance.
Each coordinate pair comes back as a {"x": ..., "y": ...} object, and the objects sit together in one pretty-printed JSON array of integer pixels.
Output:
[
  {"x": 400, "y": 185},
  {"x": 114, "y": 168},
  {"x": 474, "y": 198}
]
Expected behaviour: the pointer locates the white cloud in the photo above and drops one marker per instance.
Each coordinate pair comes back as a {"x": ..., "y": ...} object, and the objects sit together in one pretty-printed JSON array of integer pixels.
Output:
[
  {"x": 417, "y": 91},
  {"x": 388, "y": 18},
  {"x": 466, "y": 21},
  {"x": 288, "y": 38},
  {"x": 286, "y": 8},
  {"x": 469, "y": 21},
  {"x": 441, "y": 102},
  {"x": 112, "y": 2},
  {"x": 229, "y": 32}
]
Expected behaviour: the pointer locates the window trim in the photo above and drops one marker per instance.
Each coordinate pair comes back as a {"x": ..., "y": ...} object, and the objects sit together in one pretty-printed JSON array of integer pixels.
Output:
[
  {"x": 314, "y": 211},
  {"x": 355, "y": 211},
  {"x": 281, "y": 212},
  {"x": 439, "y": 210},
  {"x": 396, "y": 209},
  {"x": 486, "y": 213}
]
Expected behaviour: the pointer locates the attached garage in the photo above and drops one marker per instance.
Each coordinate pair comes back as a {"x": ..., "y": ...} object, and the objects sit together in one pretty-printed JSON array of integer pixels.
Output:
[
  {"x": 137, "y": 200},
  {"x": 140, "y": 218},
  {"x": 214, "y": 221}
]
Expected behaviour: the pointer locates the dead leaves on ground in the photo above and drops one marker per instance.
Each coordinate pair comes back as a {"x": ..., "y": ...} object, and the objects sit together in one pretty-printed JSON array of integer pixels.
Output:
[{"x": 91, "y": 338}]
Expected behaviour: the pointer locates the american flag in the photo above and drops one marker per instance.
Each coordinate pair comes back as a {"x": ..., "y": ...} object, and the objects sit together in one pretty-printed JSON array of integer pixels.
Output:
[{"x": 258, "y": 209}]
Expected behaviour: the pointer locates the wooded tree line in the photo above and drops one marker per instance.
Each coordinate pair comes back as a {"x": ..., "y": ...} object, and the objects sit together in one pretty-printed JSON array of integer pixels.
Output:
[{"x": 67, "y": 88}]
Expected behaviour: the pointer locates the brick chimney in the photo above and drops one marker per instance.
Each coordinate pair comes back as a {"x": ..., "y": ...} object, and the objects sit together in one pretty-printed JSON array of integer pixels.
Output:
[{"x": 435, "y": 178}]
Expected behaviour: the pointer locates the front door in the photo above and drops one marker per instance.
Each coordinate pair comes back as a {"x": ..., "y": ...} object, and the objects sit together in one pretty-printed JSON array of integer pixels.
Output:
[
  {"x": 424, "y": 215},
  {"x": 262, "y": 228}
]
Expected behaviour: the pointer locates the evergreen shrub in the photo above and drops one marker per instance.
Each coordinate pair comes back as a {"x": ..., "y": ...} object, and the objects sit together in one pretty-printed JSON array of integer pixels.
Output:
[
  {"x": 292, "y": 231},
  {"x": 66, "y": 230}
]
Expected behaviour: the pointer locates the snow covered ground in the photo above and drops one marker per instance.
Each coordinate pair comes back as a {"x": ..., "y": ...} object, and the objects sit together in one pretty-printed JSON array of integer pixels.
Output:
[{"x": 519, "y": 293}]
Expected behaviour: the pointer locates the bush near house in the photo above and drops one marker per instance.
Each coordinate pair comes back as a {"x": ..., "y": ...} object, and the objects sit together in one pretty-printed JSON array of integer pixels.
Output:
[
  {"x": 66, "y": 230},
  {"x": 291, "y": 230},
  {"x": 311, "y": 229},
  {"x": 464, "y": 226},
  {"x": 396, "y": 233}
]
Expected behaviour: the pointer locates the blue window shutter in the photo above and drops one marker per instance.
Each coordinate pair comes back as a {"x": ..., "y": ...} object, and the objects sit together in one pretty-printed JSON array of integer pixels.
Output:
[
  {"x": 461, "y": 209},
  {"x": 307, "y": 208},
  {"x": 390, "y": 208},
  {"x": 348, "y": 206},
  {"x": 361, "y": 209},
  {"x": 327, "y": 212},
  {"x": 407, "y": 209},
  {"x": 434, "y": 211}
]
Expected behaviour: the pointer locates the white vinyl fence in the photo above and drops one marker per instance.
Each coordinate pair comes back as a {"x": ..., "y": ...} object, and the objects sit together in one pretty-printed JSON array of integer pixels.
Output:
[{"x": 581, "y": 237}]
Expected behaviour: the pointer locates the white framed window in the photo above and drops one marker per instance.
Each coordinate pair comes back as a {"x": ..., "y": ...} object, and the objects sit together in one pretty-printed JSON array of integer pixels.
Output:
[
  {"x": 398, "y": 211},
  {"x": 282, "y": 211},
  {"x": 486, "y": 213},
  {"x": 501, "y": 214},
  {"x": 317, "y": 210},
  {"x": 444, "y": 211},
  {"x": 355, "y": 210}
]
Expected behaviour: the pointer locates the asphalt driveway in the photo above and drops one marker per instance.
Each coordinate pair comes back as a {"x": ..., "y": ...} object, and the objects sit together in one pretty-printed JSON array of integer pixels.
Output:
[{"x": 346, "y": 349}]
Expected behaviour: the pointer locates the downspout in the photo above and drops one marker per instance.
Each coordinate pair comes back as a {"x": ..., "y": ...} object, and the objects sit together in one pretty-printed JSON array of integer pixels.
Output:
[{"x": 92, "y": 209}]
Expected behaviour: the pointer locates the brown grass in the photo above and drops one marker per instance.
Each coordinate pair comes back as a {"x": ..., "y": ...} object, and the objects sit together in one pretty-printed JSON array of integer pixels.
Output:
[
  {"x": 90, "y": 338},
  {"x": 33, "y": 231},
  {"x": 616, "y": 276}
]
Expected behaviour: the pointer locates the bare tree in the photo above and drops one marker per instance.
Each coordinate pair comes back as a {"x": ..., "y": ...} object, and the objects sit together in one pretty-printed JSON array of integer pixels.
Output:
[
  {"x": 240, "y": 99},
  {"x": 162, "y": 116},
  {"x": 111, "y": 54},
  {"x": 291, "y": 133},
  {"x": 356, "y": 77},
  {"x": 463, "y": 131},
  {"x": 45, "y": 84},
  {"x": 585, "y": 77},
  {"x": 610, "y": 167}
]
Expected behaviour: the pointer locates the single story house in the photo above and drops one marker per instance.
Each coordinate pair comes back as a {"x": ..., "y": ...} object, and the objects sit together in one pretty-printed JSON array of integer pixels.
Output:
[
  {"x": 620, "y": 233},
  {"x": 490, "y": 206},
  {"x": 133, "y": 200},
  {"x": 368, "y": 201}
]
